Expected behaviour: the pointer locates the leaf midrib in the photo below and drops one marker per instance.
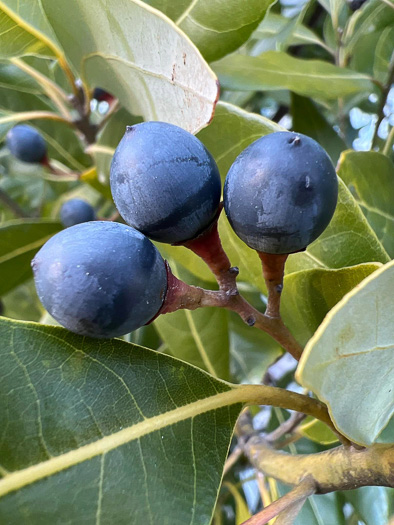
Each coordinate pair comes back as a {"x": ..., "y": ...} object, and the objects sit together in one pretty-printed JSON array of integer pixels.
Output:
[{"x": 22, "y": 478}]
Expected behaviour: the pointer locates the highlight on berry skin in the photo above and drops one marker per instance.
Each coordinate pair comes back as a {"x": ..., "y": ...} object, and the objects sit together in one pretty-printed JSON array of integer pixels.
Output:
[{"x": 27, "y": 144}]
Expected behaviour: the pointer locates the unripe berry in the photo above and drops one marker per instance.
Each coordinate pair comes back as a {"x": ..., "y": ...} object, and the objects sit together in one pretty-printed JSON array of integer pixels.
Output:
[
  {"x": 280, "y": 193},
  {"x": 164, "y": 182},
  {"x": 101, "y": 279}
]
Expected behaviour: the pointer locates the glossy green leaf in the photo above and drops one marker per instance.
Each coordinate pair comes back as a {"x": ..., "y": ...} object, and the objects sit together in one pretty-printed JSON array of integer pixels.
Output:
[
  {"x": 24, "y": 30},
  {"x": 347, "y": 241},
  {"x": 309, "y": 295},
  {"x": 199, "y": 337},
  {"x": 276, "y": 70},
  {"x": 352, "y": 352},
  {"x": 307, "y": 119},
  {"x": 370, "y": 177},
  {"x": 373, "y": 505},
  {"x": 19, "y": 242},
  {"x": 113, "y": 430},
  {"x": 217, "y": 28},
  {"x": 136, "y": 53}
]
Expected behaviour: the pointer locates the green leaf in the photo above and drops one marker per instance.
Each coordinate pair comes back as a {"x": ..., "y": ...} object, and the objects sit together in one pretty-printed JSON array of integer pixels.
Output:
[
  {"x": 384, "y": 55},
  {"x": 136, "y": 53},
  {"x": 19, "y": 242},
  {"x": 241, "y": 255},
  {"x": 352, "y": 352},
  {"x": 270, "y": 29},
  {"x": 317, "y": 431},
  {"x": 25, "y": 30},
  {"x": 252, "y": 351},
  {"x": 109, "y": 139},
  {"x": 309, "y": 120},
  {"x": 22, "y": 303},
  {"x": 231, "y": 131},
  {"x": 217, "y": 28},
  {"x": 20, "y": 94},
  {"x": 199, "y": 337},
  {"x": 309, "y": 295},
  {"x": 347, "y": 241},
  {"x": 241, "y": 509},
  {"x": 372, "y": 504},
  {"x": 370, "y": 177},
  {"x": 115, "y": 429},
  {"x": 373, "y": 16},
  {"x": 276, "y": 70}
]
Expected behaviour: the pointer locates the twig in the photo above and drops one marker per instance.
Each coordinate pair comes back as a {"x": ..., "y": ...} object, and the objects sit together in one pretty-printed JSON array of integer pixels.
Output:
[
  {"x": 281, "y": 398},
  {"x": 232, "y": 459},
  {"x": 301, "y": 492},
  {"x": 183, "y": 296},
  {"x": 12, "y": 205},
  {"x": 286, "y": 427},
  {"x": 341, "y": 468},
  {"x": 389, "y": 143}
]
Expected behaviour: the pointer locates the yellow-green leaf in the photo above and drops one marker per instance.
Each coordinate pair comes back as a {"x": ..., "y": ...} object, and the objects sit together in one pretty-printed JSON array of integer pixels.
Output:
[
  {"x": 309, "y": 295},
  {"x": 349, "y": 362},
  {"x": 370, "y": 177}
]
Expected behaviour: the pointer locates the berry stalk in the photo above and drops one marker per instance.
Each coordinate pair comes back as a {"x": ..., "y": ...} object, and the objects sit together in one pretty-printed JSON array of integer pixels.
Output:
[
  {"x": 208, "y": 247},
  {"x": 181, "y": 295}
]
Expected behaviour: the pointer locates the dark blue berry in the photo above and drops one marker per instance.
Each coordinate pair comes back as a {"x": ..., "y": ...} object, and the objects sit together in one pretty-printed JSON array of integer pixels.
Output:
[
  {"x": 75, "y": 211},
  {"x": 101, "y": 279},
  {"x": 281, "y": 193},
  {"x": 26, "y": 144},
  {"x": 165, "y": 182}
]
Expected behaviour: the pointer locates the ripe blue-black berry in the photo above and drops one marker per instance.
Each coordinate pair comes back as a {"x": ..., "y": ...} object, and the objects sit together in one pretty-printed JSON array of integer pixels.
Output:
[
  {"x": 26, "y": 144},
  {"x": 280, "y": 193},
  {"x": 75, "y": 211},
  {"x": 165, "y": 182},
  {"x": 100, "y": 279}
]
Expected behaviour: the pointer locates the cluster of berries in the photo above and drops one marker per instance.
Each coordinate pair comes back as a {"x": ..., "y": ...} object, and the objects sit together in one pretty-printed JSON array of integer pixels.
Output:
[{"x": 106, "y": 279}]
